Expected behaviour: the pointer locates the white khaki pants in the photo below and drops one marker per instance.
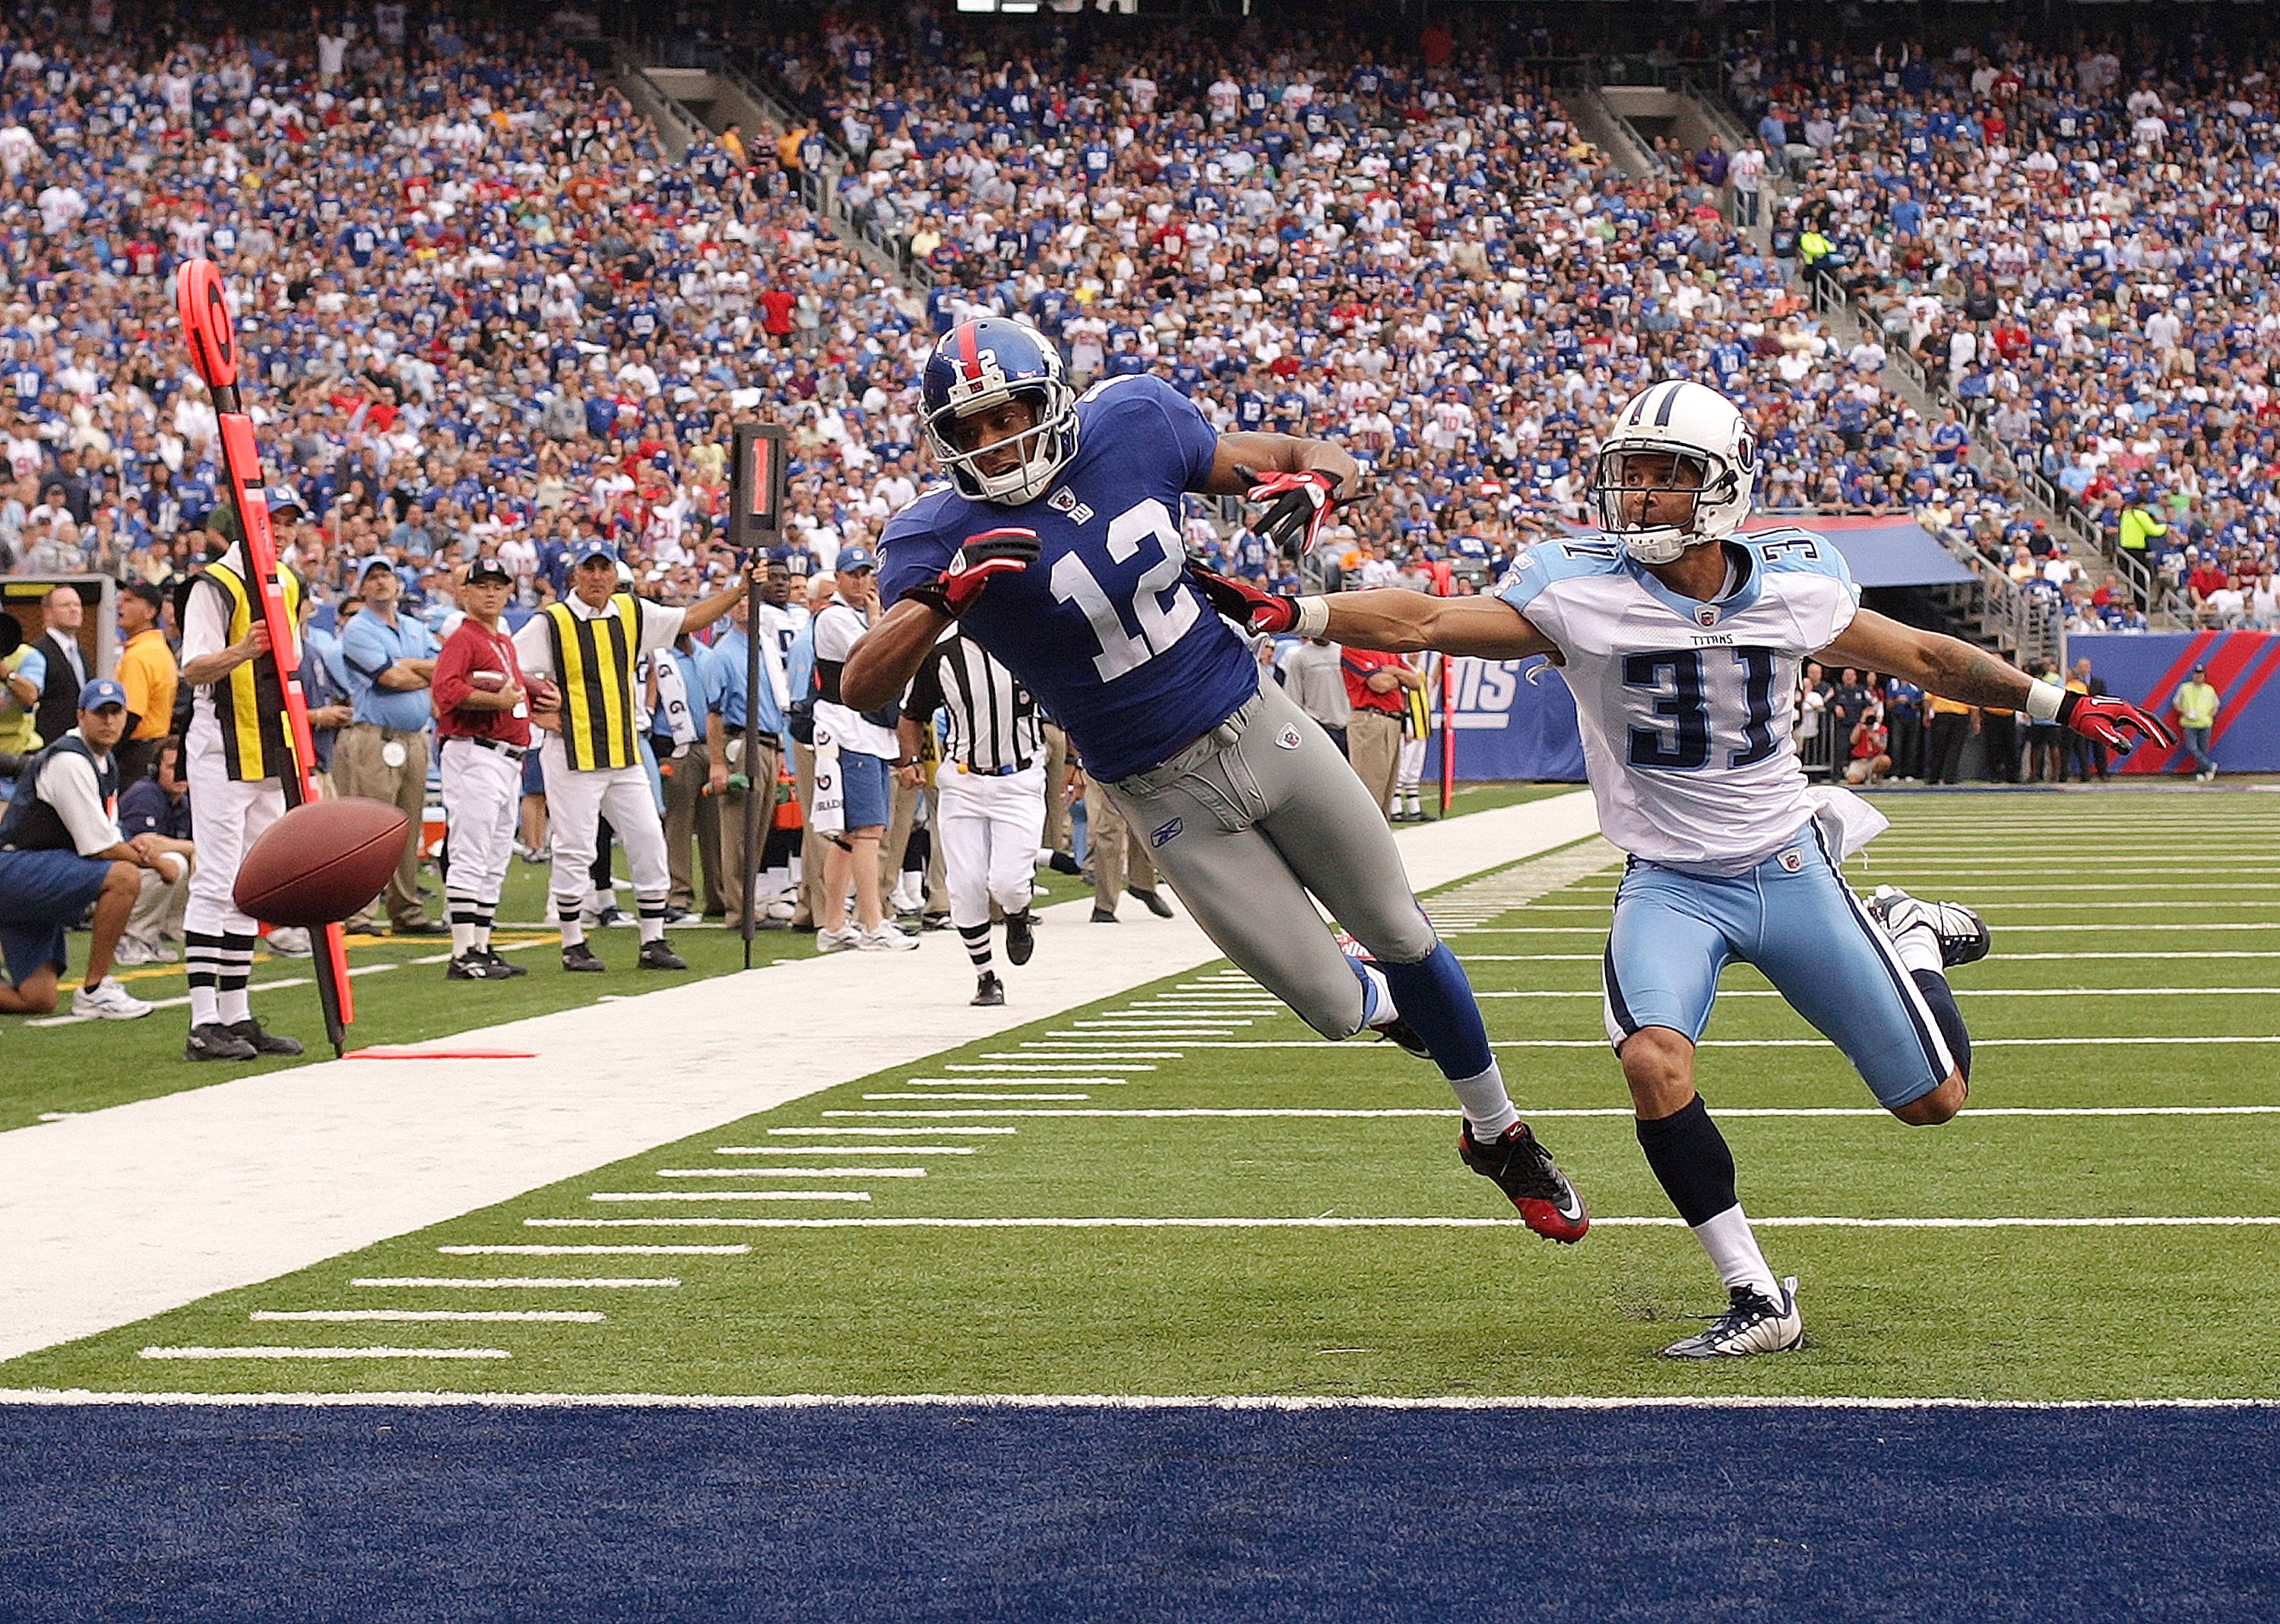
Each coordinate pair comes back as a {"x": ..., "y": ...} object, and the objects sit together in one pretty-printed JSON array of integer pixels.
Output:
[
  {"x": 482, "y": 801},
  {"x": 226, "y": 817},
  {"x": 577, "y": 800},
  {"x": 989, "y": 829},
  {"x": 158, "y": 909}
]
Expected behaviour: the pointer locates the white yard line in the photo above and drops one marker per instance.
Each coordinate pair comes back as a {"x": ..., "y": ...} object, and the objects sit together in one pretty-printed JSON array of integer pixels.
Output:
[
  {"x": 477, "y": 1316},
  {"x": 325, "y": 1353},
  {"x": 114, "y": 1215},
  {"x": 524, "y": 1282},
  {"x": 791, "y": 1173},
  {"x": 733, "y": 1194}
]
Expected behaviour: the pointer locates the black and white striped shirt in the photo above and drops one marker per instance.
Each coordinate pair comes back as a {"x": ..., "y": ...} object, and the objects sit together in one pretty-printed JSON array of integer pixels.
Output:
[{"x": 993, "y": 724}]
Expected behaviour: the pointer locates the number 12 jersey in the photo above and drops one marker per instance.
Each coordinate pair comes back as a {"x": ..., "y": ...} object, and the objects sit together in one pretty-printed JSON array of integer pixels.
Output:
[
  {"x": 1107, "y": 629},
  {"x": 1686, "y": 707}
]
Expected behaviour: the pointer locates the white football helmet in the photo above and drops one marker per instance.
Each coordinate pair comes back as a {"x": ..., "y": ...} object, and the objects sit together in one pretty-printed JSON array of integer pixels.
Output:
[{"x": 1716, "y": 465}]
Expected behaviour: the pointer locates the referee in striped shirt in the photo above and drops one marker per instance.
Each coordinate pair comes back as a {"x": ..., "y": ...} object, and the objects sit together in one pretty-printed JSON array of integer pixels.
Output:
[{"x": 989, "y": 792}]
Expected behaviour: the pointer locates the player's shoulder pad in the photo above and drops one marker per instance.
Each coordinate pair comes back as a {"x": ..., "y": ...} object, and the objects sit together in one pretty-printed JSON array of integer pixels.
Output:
[
  {"x": 938, "y": 510},
  {"x": 1790, "y": 551},
  {"x": 1568, "y": 557},
  {"x": 1133, "y": 395}
]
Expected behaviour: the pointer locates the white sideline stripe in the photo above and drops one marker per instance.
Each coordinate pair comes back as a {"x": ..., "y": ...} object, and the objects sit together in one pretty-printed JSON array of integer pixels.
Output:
[
  {"x": 1614, "y": 1111},
  {"x": 893, "y": 1130},
  {"x": 87, "y": 1398},
  {"x": 588, "y": 1251},
  {"x": 1709, "y": 1042},
  {"x": 485, "y": 1316},
  {"x": 1006, "y": 1060},
  {"x": 1976, "y": 992},
  {"x": 1017, "y": 1082},
  {"x": 731, "y": 1195},
  {"x": 519, "y": 1282},
  {"x": 1671, "y": 1221},
  {"x": 842, "y": 1150},
  {"x": 325, "y": 1353},
  {"x": 909, "y": 1095},
  {"x": 791, "y": 1173}
]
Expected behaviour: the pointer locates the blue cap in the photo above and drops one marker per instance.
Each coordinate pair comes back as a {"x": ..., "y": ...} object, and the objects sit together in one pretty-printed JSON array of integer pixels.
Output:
[
  {"x": 593, "y": 547},
  {"x": 101, "y": 692},
  {"x": 376, "y": 561},
  {"x": 854, "y": 557},
  {"x": 285, "y": 495}
]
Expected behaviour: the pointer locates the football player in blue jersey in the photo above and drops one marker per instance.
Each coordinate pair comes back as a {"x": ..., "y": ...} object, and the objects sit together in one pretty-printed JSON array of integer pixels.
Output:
[
  {"x": 1056, "y": 545},
  {"x": 1681, "y": 641}
]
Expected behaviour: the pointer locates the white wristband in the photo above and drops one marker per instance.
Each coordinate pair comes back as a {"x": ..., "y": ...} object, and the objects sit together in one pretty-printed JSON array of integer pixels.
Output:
[
  {"x": 1314, "y": 617},
  {"x": 2044, "y": 699}
]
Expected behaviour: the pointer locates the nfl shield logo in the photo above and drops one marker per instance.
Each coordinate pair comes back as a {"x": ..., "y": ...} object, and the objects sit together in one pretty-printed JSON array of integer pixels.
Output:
[
  {"x": 1706, "y": 616},
  {"x": 1288, "y": 738},
  {"x": 1790, "y": 860}
]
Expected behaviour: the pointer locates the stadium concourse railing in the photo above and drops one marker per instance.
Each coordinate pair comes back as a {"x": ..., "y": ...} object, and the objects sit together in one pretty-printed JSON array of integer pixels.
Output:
[{"x": 2149, "y": 588}]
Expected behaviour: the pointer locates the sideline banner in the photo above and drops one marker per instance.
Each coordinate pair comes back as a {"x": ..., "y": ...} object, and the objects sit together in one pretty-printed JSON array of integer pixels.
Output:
[
  {"x": 1508, "y": 727},
  {"x": 2147, "y": 668}
]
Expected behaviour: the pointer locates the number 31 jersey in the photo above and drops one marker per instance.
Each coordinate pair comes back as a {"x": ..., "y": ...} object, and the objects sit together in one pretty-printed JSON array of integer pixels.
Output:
[
  {"x": 1686, "y": 707},
  {"x": 1107, "y": 629}
]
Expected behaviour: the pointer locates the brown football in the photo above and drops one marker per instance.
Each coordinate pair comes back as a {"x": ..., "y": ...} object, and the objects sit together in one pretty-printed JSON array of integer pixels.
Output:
[{"x": 321, "y": 862}]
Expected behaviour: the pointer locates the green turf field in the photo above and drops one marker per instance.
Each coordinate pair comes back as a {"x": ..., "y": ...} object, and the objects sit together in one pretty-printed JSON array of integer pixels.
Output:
[
  {"x": 60, "y": 1064},
  {"x": 933, "y": 1230}
]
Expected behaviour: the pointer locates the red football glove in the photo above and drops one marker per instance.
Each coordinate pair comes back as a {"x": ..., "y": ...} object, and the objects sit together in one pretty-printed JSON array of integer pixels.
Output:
[
  {"x": 1302, "y": 501},
  {"x": 2110, "y": 722},
  {"x": 993, "y": 552},
  {"x": 1246, "y": 605}
]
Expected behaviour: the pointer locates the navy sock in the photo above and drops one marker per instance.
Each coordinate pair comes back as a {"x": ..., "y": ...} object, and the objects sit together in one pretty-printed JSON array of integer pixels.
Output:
[
  {"x": 1688, "y": 1156},
  {"x": 1436, "y": 1001},
  {"x": 1942, "y": 999}
]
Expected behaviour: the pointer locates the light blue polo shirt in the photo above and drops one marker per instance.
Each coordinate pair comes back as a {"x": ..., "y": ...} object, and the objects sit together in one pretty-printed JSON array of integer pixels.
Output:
[{"x": 369, "y": 647}]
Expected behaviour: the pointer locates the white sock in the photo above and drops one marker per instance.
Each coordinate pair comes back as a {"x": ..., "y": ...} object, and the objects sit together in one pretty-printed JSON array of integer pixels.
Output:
[
  {"x": 566, "y": 919},
  {"x": 1919, "y": 950},
  {"x": 204, "y": 1007},
  {"x": 1489, "y": 1109},
  {"x": 482, "y": 938},
  {"x": 1378, "y": 1004},
  {"x": 462, "y": 939},
  {"x": 233, "y": 1006},
  {"x": 1734, "y": 1251}
]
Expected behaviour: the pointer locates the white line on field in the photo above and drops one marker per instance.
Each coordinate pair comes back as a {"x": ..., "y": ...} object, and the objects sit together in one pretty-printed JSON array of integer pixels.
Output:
[
  {"x": 842, "y": 1150},
  {"x": 1022, "y": 1082},
  {"x": 906, "y": 1095},
  {"x": 1672, "y": 1221},
  {"x": 483, "y": 1316},
  {"x": 894, "y": 1130},
  {"x": 85, "y": 1397},
  {"x": 588, "y": 1251},
  {"x": 325, "y": 1353},
  {"x": 1012, "y": 1060},
  {"x": 519, "y": 1282},
  {"x": 731, "y": 1195},
  {"x": 791, "y": 1173}
]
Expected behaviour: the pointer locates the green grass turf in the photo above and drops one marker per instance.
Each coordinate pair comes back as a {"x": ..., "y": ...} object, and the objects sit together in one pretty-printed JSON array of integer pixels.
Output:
[
  {"x": 2103, "y": 1313},
  {"x": 87, "y": 1066}
]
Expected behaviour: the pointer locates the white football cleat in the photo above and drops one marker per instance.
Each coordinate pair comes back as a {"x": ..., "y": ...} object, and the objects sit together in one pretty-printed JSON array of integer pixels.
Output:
[
  {"x": 107, "y": 1000},
  {"x": 838, "y": 941},
  {"x": 884, "y": 938},
  {"x": 1754, "y": 1324},
  {"x": 1963, "y": 935}
]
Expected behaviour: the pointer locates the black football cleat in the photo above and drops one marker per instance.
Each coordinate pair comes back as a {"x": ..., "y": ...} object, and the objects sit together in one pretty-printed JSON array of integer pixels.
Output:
[
  {"x": 1963, "y": 936},
  {"x": 249, "y": 1031},
  {"x": 1020, "y": 937},
  {"x": 1399, "y": 1031},
  {"x": 502, "y": 968},
  {"x": 471, "y": 967},
  {"x": 659, "y": 955},
  {"x": 1523, "y": 1168},
  {"x": 578, "y": 957},
  {"x": 1153, "y": 901},
  {"x": 216, "y": 1041},
  {"x": 988, "y": 991}
]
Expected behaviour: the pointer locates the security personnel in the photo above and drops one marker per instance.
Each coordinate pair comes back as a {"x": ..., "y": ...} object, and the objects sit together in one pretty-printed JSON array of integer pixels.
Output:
[
  {"x": 758, "y": 775},
  {"x": 482, "y": 724},
  {"x": 586, "y": 647},
  {"x": 381, "y": 755},
  {"x": 238, "y": 748},
  {"x": 682, "y": 691}
]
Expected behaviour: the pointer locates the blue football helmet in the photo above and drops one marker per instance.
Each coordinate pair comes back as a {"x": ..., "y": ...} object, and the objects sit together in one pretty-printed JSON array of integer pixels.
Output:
[{"x": 980, "y": 364}]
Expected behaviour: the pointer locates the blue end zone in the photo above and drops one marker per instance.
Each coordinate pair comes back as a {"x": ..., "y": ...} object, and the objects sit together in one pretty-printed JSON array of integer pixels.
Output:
[{"x": 441, "y": 1515}]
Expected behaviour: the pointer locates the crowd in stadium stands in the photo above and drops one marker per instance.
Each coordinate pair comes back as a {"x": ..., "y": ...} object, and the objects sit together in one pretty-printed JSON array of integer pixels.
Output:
[
  {"x": 2082, "y": 255},
  {"x": 1412, "y": 250}
]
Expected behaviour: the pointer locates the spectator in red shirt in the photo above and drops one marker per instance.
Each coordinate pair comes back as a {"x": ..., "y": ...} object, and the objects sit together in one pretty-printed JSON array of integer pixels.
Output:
[
  {"x": 1378, "y": 685},
  {"x": 483, "y": 722},
  {"x": 775, "y": 315}
]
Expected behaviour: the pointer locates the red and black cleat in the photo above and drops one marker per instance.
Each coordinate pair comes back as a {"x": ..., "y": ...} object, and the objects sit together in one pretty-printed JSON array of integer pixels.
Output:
[{"x": 1523, "y": 1168}]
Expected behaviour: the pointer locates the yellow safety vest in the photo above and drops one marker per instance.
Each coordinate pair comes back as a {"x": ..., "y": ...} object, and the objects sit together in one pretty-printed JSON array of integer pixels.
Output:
[
  {"x": 257, "y": 743},
  {"x": 594, "y": 660}
]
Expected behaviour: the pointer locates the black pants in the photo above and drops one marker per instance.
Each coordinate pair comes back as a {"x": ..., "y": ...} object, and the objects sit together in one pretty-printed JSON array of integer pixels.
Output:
[
  {"x": 1908, "y": 747},
  {"x": 2001, "y": 734},
  {"x": 1949, "y": 729}
]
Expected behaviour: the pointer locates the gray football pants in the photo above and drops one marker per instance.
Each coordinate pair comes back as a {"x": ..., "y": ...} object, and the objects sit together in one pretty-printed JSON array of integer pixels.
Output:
[{"x": 1247, "y": 820}]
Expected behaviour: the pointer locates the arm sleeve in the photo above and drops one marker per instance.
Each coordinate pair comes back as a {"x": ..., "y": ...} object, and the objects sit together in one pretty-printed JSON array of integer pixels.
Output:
[
  {"x": 533, "y": 649},
  {"x": 659, "y": 625},
  {"x": 68, "y": 785},
  {"x": 909, "y": 556},
  {"x": 363, "y": 652},
  {"x": 1195, "y": 442},
  {"x": 204, "y": 629},
  {"x": 450, "y": 684},
  {"x": 33, "y": 669},
  {"x": 1820, "y": 606}
]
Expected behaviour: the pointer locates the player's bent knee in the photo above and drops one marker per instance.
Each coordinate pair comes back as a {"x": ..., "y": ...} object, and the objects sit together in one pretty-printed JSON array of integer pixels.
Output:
[
  {"x": 1940, "y": 1105},
  {"x": 1659, "y": 1066}
]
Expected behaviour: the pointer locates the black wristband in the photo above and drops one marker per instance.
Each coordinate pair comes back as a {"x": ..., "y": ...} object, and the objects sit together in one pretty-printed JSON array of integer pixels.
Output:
[{"x": 2067, "y": 700}]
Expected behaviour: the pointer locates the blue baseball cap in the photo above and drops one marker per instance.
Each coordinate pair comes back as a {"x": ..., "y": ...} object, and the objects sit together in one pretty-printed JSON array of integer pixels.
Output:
[
  {"x": 101, "y": 692},
  {"x": 854, "y": 557},
  {"x": 374, "y": 561},
  {"x": 593, "y": 547}
]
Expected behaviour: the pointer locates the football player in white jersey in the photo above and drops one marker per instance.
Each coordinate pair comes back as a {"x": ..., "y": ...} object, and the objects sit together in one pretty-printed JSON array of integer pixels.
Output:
[{"x": 1681, "y": 641}]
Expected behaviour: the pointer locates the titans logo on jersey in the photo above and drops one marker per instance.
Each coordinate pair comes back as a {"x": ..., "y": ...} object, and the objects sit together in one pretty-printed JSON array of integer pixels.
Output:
[
  {"x": 1107, "y": 629},
  {"x": 1685, "y": 707}
]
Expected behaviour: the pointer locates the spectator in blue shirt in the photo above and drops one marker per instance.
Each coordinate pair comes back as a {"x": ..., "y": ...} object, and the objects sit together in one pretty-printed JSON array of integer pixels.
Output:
[{"x": 383, "y": 753}]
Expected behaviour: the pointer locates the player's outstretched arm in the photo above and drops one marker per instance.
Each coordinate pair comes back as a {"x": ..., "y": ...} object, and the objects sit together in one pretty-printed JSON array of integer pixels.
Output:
[
  {"x": 1954, "y": 669},
  {"x": 1407, "y": 622},
  {"x": 886, "y": 658}
]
